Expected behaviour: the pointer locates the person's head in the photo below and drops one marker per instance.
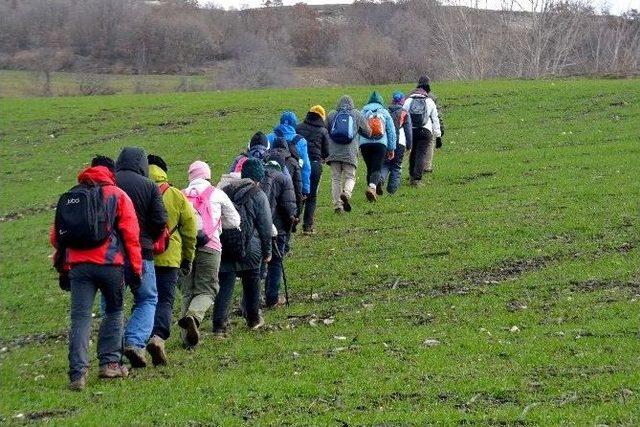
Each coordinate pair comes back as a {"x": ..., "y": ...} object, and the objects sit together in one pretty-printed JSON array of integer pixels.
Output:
[
  {"x": 133, "y": 159},
  {"x": 346, "y": 102},
  {"x": 376, "y": 98},
  {"x": 258, "y": 138},
  {"x": 253, "y": 169},
  {"x": 289, "y": 118},
  {"x": 424, "y": 82},
  {"x": 158, "y": 161},
  {"x": 273, "y": 164},
  {"x": 398, "y": 97},
  {"x": 199, "y": 169},
  {"x": 319, "y": 110},
  {"x": 105, "y": 161}
]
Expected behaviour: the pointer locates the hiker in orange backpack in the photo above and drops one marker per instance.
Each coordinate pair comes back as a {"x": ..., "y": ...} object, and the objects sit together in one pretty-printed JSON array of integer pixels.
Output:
[
  {"x": 381, "y": 143},
  {"x": 173, "y": 256}
]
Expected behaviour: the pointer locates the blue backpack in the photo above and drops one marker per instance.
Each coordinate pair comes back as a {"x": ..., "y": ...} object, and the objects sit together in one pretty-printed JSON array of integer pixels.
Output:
[{"x": 342, "y": 128}]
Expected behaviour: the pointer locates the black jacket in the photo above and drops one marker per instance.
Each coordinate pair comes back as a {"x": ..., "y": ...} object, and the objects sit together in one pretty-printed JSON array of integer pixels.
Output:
[
  {"x": 280, "y": 152},
  {"x": 314, "y": 130},
  {"x": 279, "y": 190},
  {"x": 259, "y": 218},
  {"x": 132, "y": 170}
]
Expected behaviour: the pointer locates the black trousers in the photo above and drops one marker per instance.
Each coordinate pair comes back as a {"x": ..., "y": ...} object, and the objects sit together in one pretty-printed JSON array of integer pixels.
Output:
[
  {"x": 373, "y": 155},
  {"x": 418, "y": 157}
]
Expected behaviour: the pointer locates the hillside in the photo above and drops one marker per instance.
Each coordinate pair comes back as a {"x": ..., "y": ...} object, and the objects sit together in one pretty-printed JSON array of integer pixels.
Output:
[{"x": 505, "y": 291}]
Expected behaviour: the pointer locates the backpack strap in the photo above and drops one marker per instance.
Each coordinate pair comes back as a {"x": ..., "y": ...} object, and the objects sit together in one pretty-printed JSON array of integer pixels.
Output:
[
  {"x": 164, "y": 187},
  {"x": 296, "y": 139}
]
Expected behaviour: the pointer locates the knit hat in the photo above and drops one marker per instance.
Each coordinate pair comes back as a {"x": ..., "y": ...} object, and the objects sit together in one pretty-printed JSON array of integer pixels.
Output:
[
  {"x": 259, "y": 138},
  {"x": 376, "y": 98},
  {"x": 158, "y": 161},
  {"x": 199, "y": 169},
  {"x": 424, "y": 82},
  {"x": 398, "y": 97},
  {"x": 273, "y": 165},
  {"x": 319, "y": 110},
  {"x": 104, "y": 161},
  {"x": 253, "y": 169}
]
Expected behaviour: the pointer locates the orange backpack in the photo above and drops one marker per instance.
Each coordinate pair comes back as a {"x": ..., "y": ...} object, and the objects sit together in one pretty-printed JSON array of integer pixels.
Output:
[{"x": 376, "y": 124}]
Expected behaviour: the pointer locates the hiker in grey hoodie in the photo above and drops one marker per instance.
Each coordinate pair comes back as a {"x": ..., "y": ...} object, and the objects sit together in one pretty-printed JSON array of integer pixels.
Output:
[{"x": 346, "y": 125}]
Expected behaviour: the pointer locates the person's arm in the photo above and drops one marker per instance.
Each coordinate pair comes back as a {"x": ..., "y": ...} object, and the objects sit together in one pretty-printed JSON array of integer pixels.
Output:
[
  {"x": 408, "y": 131},
  {"x": 187, "y": 227},
  {"x": 263, "y": 222},
  {"x": 287, "y": 199},
  {"x": 435, "y": 120},
  {"x": 229, "y": 215},
  {"x": 158, "y": 216},
  {"x": 306, "y": 165},
  {"x": 324, "y": 144},
  {"x": 297, "y": 185},
  {"x": 128, "y": 228},
  {"x": 391, "y": 132}
]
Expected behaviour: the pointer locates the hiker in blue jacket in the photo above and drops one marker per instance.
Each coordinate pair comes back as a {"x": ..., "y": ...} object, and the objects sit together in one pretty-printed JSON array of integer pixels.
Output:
[
  {"x": 287, "y": 130},
  {"x": 381, "y": 143}
]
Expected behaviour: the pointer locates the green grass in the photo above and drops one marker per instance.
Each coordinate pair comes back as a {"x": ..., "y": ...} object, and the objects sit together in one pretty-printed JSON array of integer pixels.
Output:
[{"x": 530, "y": 220}]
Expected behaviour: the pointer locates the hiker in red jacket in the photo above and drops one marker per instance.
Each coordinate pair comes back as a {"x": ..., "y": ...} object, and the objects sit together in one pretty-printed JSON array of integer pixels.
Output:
[{"x": 87, "y": 270}]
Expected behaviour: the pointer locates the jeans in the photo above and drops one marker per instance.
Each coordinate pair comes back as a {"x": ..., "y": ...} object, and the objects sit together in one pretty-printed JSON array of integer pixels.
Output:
[
  {"x": 373, "y": 155},
  {"x": 312, "y": 198},
  {"x": 393, "y": 170},
  {"x": 343, "y": 179},
  {"x": 86, "y": 280},
  {"x": 166, "y": 280},
  {"x": 250, "y": 294},
  {"x": 274, "y": 271},
  {"x": 143, "y": 312},
  {"x": 200, "y": 287},
  {"x": 421, "y": 156}
]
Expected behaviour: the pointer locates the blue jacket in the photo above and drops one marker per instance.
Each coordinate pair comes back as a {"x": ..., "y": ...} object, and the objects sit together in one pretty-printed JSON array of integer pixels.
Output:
[
  {"x": 389, "y": 138},
  {"x": 287, "y": 128}
]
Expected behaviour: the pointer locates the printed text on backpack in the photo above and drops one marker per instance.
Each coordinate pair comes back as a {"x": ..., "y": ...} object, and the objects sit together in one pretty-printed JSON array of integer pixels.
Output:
[
  {"x": 342, "y": 128},
  {"x": 82, "y": 221}
]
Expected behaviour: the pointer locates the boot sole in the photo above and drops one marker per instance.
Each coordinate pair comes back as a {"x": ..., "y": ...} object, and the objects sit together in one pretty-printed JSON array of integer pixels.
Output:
[
  {"x": 136, "y": 360},
  {"x": 346, "y": 206},
  {"x": 158, "y": 357},
  {"x": 189, "y": 324},
  {"x": 371, "y": 196}
]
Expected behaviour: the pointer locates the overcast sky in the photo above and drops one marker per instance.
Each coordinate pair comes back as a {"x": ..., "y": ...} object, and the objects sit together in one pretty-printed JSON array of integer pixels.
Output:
[{"x": 615, "y": 6}]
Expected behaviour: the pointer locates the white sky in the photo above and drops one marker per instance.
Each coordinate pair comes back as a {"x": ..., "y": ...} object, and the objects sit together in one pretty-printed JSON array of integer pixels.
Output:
[{"x": 614, "y": 6}]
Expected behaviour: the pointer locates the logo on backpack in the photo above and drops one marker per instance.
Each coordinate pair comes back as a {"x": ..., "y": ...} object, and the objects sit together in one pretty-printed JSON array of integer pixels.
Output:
[
  {"x": 418, "y": 112},
  {"x": 342, "y": 128},
  {"x": 82, "y": 220},
  {"x": 375, "y": 119}
]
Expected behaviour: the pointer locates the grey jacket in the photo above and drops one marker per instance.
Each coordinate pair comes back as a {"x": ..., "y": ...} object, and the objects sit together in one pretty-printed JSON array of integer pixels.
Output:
[{"x": 347, "y": 153}]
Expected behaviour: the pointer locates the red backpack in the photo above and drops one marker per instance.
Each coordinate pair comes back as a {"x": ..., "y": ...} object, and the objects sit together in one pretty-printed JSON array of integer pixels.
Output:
[{"x": 162, "y": 242}]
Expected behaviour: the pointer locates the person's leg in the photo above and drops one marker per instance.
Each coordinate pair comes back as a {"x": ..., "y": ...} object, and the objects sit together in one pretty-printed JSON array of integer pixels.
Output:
[
  {"x": 110, "y": 334},
  {"x": 143, "y": 312},
  {"x": 419, "y": 153},
  {"x": 429, "y": 153},
  {"x": 166, "y": 280},
  {"x": 376, "y": 159},
  {"x": 186, "y": 287},
  {"x": 227, "y": 281},
  {"x": 205, "y": 282},
  {"x": 349, "y": 172},
  {"x": 385, "y": 171},
  {"x": 367, "y": 155},
  {"x": 310, "y": 204},
  {"x": 274, "y": 272},
  {"x": 336, "y": 186},
  {"x": 83, "y": 292},
  {"x": 395, "y": 173},
  {"x": 251, "y": 293}
]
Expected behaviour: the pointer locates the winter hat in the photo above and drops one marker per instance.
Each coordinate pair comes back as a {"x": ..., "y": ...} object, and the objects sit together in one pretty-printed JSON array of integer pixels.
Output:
[
  {"x": 289, "y": 118},
  {"x": 158, "y": 161},
  {"x": 273, "y": 164},
  {"x": 319, "y": 110},
  {"x": 259, "y": 138},
  {"x": 376, "y": 98},
  {"x": 104, "y": 161},
  {"x": 398, "y": 97},
  {"x": 424, "y": 82},
  {"x": 253, "y": 169},
  {"x": 199, "y": 169}
]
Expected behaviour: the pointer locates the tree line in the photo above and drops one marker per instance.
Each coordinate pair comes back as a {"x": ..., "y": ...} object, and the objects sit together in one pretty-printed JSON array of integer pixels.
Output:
[{"x": 367, "y": 42}]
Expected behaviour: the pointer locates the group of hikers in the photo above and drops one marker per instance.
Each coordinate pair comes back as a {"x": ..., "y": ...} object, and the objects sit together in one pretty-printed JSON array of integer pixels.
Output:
[{"x": 125, "y": 224}]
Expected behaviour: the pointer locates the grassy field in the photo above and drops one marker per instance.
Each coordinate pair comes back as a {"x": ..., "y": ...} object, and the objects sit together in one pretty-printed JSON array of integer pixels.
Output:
[{"x": 506, "y": 291}]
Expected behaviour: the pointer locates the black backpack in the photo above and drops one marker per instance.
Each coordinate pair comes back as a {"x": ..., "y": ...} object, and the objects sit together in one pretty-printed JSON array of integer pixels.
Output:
[
  {"x": 235, "y": 242},
  {"x": 82, "y": 220}
]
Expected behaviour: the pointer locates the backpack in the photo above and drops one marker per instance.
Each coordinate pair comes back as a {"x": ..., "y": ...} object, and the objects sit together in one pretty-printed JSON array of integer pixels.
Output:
[
  {"x": 342, "y": 129},
  {"x": 418, "y": 112},
  {"x": 162, "y": 242},
  {"x": 204, "y": 218},
  {"x": 235, "y": 242},
  {"x": 375, "y": 119},
  {"x": 399, "y": 118},
  {"x": 293, "y": 144},
  {"x": 82, "y": 220}
]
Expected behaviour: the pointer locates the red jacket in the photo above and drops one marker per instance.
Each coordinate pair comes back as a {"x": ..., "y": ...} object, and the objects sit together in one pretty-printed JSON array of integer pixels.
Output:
[{"x": 125, "y": 227}]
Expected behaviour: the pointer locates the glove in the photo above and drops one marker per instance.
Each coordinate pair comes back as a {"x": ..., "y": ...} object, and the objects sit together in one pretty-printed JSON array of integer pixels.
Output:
[
  {"x": 391, "y": 154},
  {"x": 438, "y": 142},
  {"x": 185, "y": 268},
  {"x": 134, "y": 282},
  {"x": 304, "y": 198},
  {"x": 64, "y": 282}
]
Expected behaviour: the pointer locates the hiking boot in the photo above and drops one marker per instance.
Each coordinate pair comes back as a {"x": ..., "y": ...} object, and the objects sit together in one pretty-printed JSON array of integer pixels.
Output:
[
  {"x": 428, "y": 171},
  {"x": 379, "y": 190},
  {"x": 309, "y": 231},
  {"x": 192, "y": 335},
  {"x": 258, "y": 324},
  {"x": 371, "y": 194},
  {"x": 416, "y": 183},
  {"x": 136, "y": 356},
  {"x": 338, "y": 211},
  {"x": 281, "y": 301},
  {"x": 345, "y": 203},
  {"x": 80, "y": 383},
  {"x": 113, "y": 370},
  {"x": 155, "y": 347}
]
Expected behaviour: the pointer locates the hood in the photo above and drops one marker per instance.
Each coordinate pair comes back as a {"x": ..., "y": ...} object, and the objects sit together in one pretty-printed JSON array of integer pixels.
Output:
[
  {"x": 314, "y": 119},
  {"x": 376, "y": 98},
  {"x": 257, "y": 151},
  {"x": 345, "y": 103},
  {"x": 289, "y": 118},
  {"x": 239, "y": 188},
  {"x": 96, "y": 175},
  {"x": 133, "y": 159},
  {"x": 157, "y": 174},
  {"x": 281, "y": 143}
]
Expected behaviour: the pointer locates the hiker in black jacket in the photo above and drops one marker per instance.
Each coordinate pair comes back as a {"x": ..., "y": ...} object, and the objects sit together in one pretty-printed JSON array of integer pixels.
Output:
[
  {"x": 314, "y": 130},
  {"x": 132, "y": 171},
  {"x": 281, "y": 152}
]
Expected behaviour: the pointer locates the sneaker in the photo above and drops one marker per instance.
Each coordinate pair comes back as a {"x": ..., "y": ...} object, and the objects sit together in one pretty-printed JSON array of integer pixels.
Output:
[
  {"x": 192, "y": 337},
  {"x": 220, "y": 334},
  {"x": 259, "y": 324},
  {"x": 428, "y": 171},
  {"x": 113, "y": 370},
  {"x": 155, "y": 347},
  {"x": 345, "y": 203},
  {"x": 371, "y": 194},
  {"x": 338, "y": 211},
  {"x": 416, "y": 183},
  {"x": 379, "y": 190},
  {"x": 80, "y": 383},
  {"x": 136, "y": 356}
]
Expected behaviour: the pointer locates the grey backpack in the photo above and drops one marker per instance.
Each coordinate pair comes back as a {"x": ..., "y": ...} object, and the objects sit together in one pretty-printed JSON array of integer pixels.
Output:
[{"x": 418, "y": 112}]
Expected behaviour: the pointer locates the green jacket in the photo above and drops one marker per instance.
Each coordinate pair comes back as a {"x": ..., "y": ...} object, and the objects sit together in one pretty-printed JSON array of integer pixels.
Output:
[{"x": 183, "y": 241}]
